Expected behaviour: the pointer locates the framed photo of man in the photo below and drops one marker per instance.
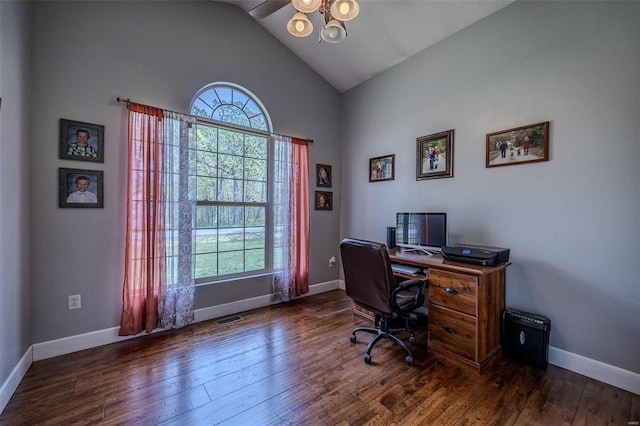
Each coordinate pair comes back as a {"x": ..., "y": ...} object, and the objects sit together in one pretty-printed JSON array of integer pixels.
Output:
[
  {"x": 81, "y": 141},
  {"x": 81, "y": 188}
]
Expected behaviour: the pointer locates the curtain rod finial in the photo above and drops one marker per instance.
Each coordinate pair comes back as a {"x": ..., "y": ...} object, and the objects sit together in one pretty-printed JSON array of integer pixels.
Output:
[{"x": 119, "y": 99}]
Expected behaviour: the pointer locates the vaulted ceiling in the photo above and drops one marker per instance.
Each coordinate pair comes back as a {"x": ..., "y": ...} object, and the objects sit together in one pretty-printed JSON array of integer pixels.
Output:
[{"x": 385, "y": 33}]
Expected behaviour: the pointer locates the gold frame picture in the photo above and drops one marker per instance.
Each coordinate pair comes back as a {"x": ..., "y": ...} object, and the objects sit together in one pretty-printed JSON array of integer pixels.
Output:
[{"x": 520, "y": 145}]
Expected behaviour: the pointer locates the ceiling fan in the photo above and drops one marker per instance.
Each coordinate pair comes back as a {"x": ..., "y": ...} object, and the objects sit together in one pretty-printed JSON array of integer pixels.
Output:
[{"x": 268, "y": 7}]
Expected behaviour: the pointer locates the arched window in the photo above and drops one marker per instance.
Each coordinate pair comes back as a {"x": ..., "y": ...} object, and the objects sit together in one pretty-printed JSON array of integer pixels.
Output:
[
  {"x": 231, "y": 160},
  {"x": 229, "y": 103}
]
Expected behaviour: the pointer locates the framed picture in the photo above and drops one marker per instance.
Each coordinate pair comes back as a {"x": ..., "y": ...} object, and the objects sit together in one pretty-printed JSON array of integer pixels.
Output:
[
  {"x": 323, "y": 175},
  {"x": 81, "y": 188},
  {"x": 382, "y": 168},
  {"x": 526, "y": 144},
  {"x": 81, "y": 141},
  {"x": 324, "y": 200},
  {"x": 434, "y": 156}
]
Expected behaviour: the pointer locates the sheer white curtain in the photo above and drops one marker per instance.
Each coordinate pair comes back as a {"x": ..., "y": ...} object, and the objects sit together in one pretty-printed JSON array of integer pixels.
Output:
[
  {"x": 175, "y": 301},
  {"x": 282, "y": 217},
  {"x": 291, "y": 217}
]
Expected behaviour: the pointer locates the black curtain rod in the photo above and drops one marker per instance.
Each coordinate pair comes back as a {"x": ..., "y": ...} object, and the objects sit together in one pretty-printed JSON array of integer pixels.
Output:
[{"x": 127, "y": 101}]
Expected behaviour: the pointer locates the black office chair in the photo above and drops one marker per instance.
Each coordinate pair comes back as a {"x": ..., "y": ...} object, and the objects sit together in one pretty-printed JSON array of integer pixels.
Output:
[{"x": 371, "y": 284}]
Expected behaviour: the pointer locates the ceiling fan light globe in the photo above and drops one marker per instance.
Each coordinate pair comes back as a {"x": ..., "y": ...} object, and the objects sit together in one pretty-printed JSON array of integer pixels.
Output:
[
  {"x": 306, "y": 6},
  {"x": 299, "y": 25},
  {"x": 333, "y": 32},
  {"x": 345, "y": 10}
]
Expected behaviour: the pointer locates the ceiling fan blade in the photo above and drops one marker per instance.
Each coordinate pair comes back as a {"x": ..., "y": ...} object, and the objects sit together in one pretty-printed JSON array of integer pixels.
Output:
[{"x": 267, "y": 7}]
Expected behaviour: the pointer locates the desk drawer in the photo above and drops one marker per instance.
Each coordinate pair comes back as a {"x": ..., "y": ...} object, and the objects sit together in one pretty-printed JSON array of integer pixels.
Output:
[
  {"x": 452, "y": 331},
  {"x": 455, "y": 291}
]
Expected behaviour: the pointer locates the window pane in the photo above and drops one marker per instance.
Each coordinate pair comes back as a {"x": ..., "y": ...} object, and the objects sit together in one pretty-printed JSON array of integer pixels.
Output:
[
  {"x": 240, "y": 99},
  {"x": 230, "y": 142},
  {"x": 255, "y": 169},
  {"x": 208, "y": 138},
  {"x": 255, "y": 216},
  {"x": 206, "y": 188},
  {"x": 255, "y": 238},
  {"x": 231, "y": 216},
  {"x": 231, "y": 166},
  {"x": 206, "y": 265},
  {"x": 255, "y": 146},
  {"x": 206, "y": 163},
  {"x": 200, "y": 108},
  {"x": 252, "y": 109},
  {"x": 231, "y": 114},
  {"x": 206, "y": 241},
  {"x": 231, "y": 262},
  {"x": 223, "y": 94},
  {"x": 230, "y": 190},
  {"x": 258, "y": 122},
  {"x": 206, "y": 217},
  {"x": 255, "y": 191},
  {"x": 254, "y": 260}
]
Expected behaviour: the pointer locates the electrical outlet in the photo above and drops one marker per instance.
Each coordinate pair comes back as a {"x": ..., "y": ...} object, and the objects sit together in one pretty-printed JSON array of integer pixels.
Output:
[
  {"x": 75, "y": 302},
  {"x": 332, "y": 261}
]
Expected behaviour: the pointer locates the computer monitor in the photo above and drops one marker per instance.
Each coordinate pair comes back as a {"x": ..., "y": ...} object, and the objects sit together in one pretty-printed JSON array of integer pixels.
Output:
[{"x": 423, "y": 232}]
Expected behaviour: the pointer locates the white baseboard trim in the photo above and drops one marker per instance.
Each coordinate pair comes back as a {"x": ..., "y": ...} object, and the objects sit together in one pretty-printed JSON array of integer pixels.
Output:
[
  {"x": 597, "y": 370},
  {"x": 606, "y": 373},
  {"x": 11, "y": 384},
  {"x": 67, "y": 345},
  {"x": 226, "y": 309}
]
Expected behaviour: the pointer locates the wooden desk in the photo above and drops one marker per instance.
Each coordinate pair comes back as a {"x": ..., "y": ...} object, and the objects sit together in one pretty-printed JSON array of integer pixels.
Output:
[{"x": 465, "y": 304}]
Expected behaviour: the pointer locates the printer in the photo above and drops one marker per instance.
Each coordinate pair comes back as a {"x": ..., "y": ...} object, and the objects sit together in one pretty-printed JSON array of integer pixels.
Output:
[{"x": 477, "y": 255}]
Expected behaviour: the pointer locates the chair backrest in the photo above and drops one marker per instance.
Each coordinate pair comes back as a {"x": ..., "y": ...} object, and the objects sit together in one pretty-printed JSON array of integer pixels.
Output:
[{"x": 368, "y": 277}]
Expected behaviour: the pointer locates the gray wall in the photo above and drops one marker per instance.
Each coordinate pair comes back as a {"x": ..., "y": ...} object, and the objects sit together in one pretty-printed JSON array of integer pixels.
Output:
[
  {"x": 15, "y": 337},
  {"x": 571, "y": 223},
  {"x": 161, "y": 53}
]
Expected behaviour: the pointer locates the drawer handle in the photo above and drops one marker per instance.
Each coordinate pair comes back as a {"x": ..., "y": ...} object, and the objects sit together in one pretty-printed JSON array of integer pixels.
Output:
[
  {"x": 451, "y": 290},
  {"x": 450, "y": 330}
]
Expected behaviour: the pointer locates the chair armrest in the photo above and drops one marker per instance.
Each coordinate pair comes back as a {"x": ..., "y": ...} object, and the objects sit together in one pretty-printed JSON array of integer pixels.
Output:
[{"x": 418, "y": 296}]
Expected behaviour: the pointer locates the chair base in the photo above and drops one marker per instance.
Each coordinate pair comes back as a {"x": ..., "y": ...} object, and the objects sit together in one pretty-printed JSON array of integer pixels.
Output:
[{"x": 383, "y": 332}]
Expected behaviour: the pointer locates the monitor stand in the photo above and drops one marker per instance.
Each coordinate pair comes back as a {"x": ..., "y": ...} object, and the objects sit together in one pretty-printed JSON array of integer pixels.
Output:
[{"x": 423, "y": 251}]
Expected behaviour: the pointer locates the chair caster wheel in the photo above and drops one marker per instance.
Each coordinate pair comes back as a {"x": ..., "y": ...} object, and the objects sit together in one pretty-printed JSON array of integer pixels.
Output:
[
  {"x": 412, "y": 340},
  {"x": 353, "y": 338},
  {"x": 409, "y": 361},
  {"x": 367, "y": 358}
]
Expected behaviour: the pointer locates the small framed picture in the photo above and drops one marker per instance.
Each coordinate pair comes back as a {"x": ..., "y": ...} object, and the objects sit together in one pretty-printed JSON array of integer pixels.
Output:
[
  {"x": 81, "y": 141},
  {"x": 81, "y": 188},
  {"x": 526, "y": 144},
  {"x": 323, "y": 175},
  {"x": 324, "y": 200},
  {"x": 382, "y": 168},
  {"x": 434, "y": 156}
]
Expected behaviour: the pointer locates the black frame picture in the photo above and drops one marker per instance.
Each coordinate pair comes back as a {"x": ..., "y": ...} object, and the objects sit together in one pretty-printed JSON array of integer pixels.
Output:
[
  {"x": 323, "y": 175},
  {"x": 73, "y": 131},
  {"x": 382, "y": 168},
  {"x": 324, "y": 200},
  {"x": 69, "y": 181}
]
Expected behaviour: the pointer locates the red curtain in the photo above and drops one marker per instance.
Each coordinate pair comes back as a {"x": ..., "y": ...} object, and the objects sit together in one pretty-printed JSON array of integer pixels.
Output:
[
  {"x": 300, "y": 215},
  {"x": 145, "y": 247}
]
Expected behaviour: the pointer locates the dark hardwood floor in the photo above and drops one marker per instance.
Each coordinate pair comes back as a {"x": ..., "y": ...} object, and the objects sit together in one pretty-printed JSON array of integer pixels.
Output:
[{"x": 294, "y": 364}]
